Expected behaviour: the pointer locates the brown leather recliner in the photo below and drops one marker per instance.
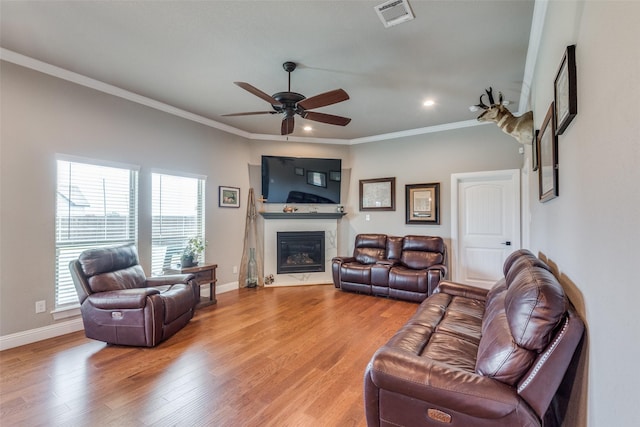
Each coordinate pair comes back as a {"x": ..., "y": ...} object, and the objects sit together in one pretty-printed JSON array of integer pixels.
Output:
[{"x": 120, "y": 305}]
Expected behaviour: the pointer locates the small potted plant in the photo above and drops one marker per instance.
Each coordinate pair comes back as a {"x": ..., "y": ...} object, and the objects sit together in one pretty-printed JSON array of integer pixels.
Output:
[{"x": 195, "y": 247}]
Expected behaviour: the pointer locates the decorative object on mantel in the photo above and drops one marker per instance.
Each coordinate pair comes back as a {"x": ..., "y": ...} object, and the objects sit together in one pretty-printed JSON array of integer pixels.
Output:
[
  {"x": 289, "y": 209},
  {"x": 195, "y": 247},
  {"x": 252, "y": 248},
  {"x": 565, "y": 90},
  {"x": 521, "y": 128}
]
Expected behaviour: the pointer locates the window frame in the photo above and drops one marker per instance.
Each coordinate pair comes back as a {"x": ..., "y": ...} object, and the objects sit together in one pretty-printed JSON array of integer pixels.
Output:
[
  {"x": 63, "y": 304},
  {"x": 199, "y": 218}
]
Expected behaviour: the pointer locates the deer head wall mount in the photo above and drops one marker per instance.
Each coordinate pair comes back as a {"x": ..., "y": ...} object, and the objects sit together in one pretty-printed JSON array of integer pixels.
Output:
[{"x": 521, "y": 128}]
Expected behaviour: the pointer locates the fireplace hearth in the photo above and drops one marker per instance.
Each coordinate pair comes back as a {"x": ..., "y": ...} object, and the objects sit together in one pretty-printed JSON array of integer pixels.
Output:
[{"x": 300, "y": 252}]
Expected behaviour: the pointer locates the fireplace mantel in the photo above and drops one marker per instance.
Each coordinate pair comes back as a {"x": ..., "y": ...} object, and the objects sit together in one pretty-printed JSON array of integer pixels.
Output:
[{"x": 302, "y": 215}]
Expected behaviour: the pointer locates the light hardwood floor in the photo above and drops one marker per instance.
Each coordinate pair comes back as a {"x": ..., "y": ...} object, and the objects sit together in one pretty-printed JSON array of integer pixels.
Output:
[{"x": 290, "y": 356}]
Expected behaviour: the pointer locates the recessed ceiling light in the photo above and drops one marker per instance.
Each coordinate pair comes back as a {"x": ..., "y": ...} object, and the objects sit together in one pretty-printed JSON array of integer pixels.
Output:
[
  {"x": 307, "y": 128},
  {"x": 429, "y": 103}
]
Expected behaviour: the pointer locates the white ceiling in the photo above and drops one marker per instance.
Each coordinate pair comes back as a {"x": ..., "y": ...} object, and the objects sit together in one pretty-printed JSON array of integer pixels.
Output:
[{"x": 188, "y": 54}]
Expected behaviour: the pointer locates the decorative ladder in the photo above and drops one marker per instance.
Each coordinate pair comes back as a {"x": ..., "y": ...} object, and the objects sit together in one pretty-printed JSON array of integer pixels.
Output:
[{"x": 251, "y": 240}]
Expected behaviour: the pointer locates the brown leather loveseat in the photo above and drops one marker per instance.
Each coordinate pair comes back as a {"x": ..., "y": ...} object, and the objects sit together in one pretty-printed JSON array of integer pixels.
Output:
[
  {"x": 119, "y": 305},
  {"x": 478, "y": 357},
  {"x": 407, "y": 268}
]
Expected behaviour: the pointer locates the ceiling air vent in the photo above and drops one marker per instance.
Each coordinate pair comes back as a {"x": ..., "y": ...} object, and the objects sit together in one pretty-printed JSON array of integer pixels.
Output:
[{"x": 394, "y": 12}]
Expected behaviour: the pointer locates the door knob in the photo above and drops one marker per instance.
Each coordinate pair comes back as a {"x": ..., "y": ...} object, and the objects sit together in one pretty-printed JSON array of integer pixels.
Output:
[{"x": 507, "y": 243}]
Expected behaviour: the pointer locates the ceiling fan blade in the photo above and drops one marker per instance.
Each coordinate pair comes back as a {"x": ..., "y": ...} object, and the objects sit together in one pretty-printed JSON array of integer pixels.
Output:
[
  {"x": 326, "y": 118},
  {"x": 324, "y": 99},
  {"x": 257, "y": 92},
  {"x": 287, "y": 125},
  {"x": 250, "y": 113}
]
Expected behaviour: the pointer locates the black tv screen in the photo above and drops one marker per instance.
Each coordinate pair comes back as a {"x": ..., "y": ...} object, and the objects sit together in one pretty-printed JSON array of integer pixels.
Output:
[{"x": 301, "y": 180}]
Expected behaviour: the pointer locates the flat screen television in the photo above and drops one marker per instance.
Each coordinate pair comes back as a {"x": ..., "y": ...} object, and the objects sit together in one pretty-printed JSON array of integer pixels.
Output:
[{"x": 301, "y": 180}]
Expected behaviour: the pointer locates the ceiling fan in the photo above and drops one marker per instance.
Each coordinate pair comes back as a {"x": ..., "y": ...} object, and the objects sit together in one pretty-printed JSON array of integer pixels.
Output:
[{"x": 292, "y": 103}]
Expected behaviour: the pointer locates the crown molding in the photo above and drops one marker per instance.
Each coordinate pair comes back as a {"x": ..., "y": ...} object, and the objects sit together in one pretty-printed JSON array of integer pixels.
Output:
[{"x": 537, "y": 25}]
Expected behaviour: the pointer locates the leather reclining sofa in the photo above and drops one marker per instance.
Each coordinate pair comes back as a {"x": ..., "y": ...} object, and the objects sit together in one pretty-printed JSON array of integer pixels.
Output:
[
  {"x": 407, "y": 268},
  {"x": 478, "y": 357},
  {"x": 119, "y": 305}
]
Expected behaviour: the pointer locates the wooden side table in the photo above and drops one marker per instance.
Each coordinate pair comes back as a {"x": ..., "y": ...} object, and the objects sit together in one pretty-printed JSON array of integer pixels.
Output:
[{"x": 205, "y": 273}]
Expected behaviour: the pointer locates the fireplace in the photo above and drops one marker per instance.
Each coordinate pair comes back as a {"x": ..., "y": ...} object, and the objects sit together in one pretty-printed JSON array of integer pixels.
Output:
[{"x": 300, "y": 252}]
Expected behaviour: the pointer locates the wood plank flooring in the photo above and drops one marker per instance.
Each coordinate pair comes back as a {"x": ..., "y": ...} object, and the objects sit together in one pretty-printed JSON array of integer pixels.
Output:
[{"x": 290, "y": 356}]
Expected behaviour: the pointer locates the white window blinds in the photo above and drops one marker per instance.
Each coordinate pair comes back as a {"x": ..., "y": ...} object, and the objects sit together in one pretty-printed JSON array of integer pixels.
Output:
[
  {"x": 96, "y": 206},
  {"x": 177, "y": 215}
]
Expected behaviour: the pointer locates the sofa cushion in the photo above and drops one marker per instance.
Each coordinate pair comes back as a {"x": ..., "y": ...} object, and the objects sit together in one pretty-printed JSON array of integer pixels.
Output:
[
  {"x": 419, "y": 252},
  {"x": 128, "y": 278},
  {"x": 102, "y": 260},
  {"x": 519, "y": 323},
  {"x": 370, "y": 248},
  {"x": 518, "y": 260},
  {"x": 394, "y": 247},
  {"x": 535, "y": 304}
]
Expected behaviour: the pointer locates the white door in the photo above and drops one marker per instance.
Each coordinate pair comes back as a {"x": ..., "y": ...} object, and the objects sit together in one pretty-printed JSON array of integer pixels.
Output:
[{"x": 485, "y": 224}]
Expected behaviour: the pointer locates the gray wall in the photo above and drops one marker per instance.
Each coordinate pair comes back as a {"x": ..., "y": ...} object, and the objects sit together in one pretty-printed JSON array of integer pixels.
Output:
[
  {"x": 42, "y": 116},
  {"x": 591, "y": 231}
]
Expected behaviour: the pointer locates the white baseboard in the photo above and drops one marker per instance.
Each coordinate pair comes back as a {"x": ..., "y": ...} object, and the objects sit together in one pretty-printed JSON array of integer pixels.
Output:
[
  {"x": 39, "y": 334},
  {"x": 73, "y": 325},
  {"x": 231, "y": 286}
]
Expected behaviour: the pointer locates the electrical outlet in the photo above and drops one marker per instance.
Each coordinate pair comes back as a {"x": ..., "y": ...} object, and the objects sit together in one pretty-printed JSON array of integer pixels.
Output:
[
  {"x": 235, "y": 269},
  {"x": 41, "y": 306},
  {"x": 367, "y": 217}
]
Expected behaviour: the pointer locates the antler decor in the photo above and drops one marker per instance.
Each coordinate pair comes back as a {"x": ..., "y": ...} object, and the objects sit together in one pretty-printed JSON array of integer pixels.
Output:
[{"x": 521, "y": 128}]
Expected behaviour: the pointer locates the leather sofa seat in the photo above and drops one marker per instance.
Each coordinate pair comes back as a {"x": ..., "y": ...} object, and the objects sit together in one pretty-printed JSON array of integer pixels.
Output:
[{"x": 120, "y": 305}]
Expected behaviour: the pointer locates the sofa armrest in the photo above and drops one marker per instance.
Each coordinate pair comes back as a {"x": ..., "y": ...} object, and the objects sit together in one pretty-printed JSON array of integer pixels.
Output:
[
  {"x": 435, "y": 274},
  {"x": 343, "y": 259},
  {"x": 437, "y": 383},
  {"x": 461, "y": 289},
  {"x": 336, "y": 263},
  {"x": 170, "y": 279},
  {"x": 388, "y": 262},
  {"x": 121, "y": 299}
]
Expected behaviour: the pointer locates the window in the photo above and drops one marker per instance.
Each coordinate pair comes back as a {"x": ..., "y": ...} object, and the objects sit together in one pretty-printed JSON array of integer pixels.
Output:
[
  {"x": 96, "y": 206},
  {"x": 177, "y": 215}
]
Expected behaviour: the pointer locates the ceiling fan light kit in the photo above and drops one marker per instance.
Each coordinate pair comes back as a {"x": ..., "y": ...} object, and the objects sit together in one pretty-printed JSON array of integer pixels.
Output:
[{"x": 291, "y": 103}]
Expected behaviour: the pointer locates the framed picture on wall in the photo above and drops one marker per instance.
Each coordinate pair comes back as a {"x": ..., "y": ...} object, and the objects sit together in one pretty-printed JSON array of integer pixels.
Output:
[
  {"x": 534, "y": 152},
  {"x": 229, "y": 197},
  {"x": 378, "y": 194},
  {"x": 422, "y": 203},
  {"x": 548, "y": 157},
  {"x": 564, "y": 91}
]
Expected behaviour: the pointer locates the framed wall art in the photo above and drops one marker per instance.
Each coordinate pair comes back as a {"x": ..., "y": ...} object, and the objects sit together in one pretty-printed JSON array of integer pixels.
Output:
[
  {"x": 422, "y": 203},
  {"x": 565, "y": 91},
  {"x": 547, "y": 142},
  {"x": 378, "y": 194},
  {"x": 229, "y": 197},
  {"x": 534, "y": 152}
]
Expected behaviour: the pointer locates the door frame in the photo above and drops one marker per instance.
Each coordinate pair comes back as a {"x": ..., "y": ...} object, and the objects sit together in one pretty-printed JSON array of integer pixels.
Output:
[{"x": 456, "y": 179}]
